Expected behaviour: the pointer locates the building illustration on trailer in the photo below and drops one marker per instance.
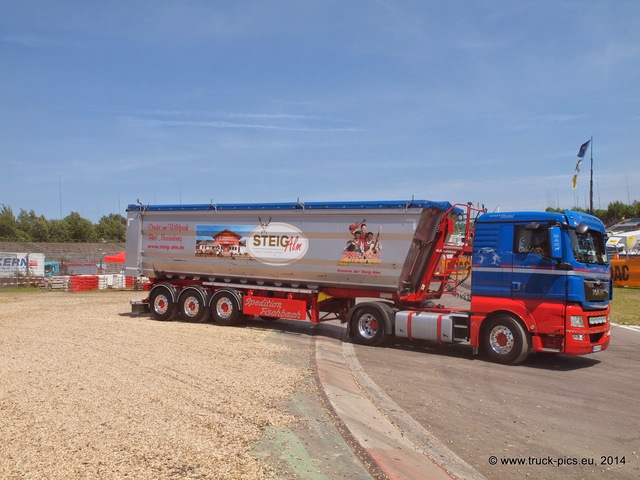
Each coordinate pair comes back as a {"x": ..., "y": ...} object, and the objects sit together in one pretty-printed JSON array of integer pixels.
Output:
[{"x": 220, "y": 241}]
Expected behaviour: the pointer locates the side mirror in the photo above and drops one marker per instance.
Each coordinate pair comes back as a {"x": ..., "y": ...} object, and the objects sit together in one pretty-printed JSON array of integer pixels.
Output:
[
  {"x": 582, "y": 229},
  {"x": 555, "y": 243}
]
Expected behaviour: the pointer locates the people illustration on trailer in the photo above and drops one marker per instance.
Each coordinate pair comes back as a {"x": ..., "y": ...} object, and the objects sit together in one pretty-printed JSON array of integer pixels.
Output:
[
  {"x": 355, "y": 244},
  {"x": 371, "y": 245},
  {"x": 363, "y": 246}
]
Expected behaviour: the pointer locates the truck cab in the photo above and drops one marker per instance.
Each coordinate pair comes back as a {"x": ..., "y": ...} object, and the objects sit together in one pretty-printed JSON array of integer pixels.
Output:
[
  {"x": 51, "y": 269},
  {"x": 541, "y": 282}
]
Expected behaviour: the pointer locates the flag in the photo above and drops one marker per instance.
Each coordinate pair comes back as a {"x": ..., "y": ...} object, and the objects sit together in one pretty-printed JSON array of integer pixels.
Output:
[
  {"x": 574, "y": 181},
  {"x": 578, "y": 165},
  {"x": 581, "y": 152},
  {"x": 583, "y": 148}
]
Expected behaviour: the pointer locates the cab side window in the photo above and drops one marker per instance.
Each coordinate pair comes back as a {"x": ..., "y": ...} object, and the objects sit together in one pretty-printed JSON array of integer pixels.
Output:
[{"x": 532, "y": 241}]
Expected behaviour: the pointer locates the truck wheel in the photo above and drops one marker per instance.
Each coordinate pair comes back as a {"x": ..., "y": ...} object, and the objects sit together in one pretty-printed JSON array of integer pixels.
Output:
[
  {"x": 193, "y": 307},
  {"x": 369, "y": 327},
  {"x": 505, "y": 340},
  {"x": 162, "y": 305},
  {"x": 225, "y": 308}
]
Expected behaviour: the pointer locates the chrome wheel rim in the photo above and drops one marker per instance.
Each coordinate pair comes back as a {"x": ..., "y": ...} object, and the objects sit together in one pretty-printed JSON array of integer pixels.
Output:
[
  {"x": 224, "y": 308},
  {"x": 368, "y": 326},
  {"x": 191, "y": 306},
  {"x": 161, "y": 304},
  {"x": 501, "y": 340}
]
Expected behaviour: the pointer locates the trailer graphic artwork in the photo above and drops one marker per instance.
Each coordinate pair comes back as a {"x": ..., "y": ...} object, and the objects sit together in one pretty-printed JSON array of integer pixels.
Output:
[
  {"x": 487, "y": 256},
  {"x": 363, "y": 246},
  {"x": 166, "y": 236},
  {"x": 271, "y": 243}
]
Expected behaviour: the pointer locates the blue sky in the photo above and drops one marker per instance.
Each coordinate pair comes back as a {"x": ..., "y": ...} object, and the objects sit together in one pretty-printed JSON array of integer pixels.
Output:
[{"x": 106, "y": 102}]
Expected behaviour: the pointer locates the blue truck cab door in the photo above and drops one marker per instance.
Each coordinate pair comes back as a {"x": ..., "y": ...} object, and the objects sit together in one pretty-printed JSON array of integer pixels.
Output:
[
  {"x": 516, "y": 256},
  {"x": 491, "y": 275},
  {"x": 537, "y": 250}
]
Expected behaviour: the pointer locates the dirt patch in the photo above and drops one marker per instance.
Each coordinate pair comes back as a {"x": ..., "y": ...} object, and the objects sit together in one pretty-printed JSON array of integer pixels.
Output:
[{"x": 89, "y": 391}]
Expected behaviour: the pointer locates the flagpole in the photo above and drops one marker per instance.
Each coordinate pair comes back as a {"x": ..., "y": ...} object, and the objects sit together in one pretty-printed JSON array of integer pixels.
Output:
[{"x": 591, "y": 184}]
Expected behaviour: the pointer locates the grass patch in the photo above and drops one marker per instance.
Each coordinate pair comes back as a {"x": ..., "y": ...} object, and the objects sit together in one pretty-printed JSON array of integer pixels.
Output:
[
  {"x": 624, "y": 308},
  {"x": 9, "y": 289}
]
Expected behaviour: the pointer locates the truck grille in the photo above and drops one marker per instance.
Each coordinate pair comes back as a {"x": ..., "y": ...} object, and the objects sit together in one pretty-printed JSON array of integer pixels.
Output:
[{"x": 596, "y": 290}]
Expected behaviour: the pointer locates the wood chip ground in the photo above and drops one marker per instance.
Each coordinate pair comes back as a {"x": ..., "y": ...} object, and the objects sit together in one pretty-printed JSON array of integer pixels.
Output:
[{"x": 88, "y": 391}]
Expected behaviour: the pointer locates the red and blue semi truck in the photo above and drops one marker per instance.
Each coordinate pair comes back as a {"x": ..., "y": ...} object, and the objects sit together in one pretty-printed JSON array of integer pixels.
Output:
[{"x": 540, "y": 281}]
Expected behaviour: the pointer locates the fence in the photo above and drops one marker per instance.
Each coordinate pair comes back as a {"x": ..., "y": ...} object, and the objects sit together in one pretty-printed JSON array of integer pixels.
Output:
[
  {"x": 76, "y": 283},
  {"x": 21, "y": 281}
]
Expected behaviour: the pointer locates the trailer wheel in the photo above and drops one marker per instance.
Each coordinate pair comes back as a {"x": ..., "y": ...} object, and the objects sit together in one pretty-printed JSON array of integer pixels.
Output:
[
  {"x": 161, "y": 303},
  {"x": 225, "y": 308},
  {"x": 505, "y": 340},
  {"x": 193, "y": 307},
  {"x": 369, "y": 326}
]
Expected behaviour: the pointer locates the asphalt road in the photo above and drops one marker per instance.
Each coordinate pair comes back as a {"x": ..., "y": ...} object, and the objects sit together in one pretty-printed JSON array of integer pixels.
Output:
[{"x": 551, "y": 417}]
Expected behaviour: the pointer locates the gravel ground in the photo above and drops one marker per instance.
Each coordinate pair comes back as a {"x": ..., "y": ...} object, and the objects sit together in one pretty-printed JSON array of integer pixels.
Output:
[{"x": 88, "y": 391}]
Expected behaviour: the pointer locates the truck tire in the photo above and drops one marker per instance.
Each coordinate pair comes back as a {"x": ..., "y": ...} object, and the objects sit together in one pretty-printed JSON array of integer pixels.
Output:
[
  {"x": 193, "y": 306},
  {"x": 505, "y": 340},
  {"x": 368, "y": 326},
  {"x": 225, "y": 308},
  {"x": 161, "y": 304}
]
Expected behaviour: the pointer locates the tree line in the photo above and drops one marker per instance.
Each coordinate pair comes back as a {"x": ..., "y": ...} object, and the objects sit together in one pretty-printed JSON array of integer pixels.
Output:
[
  {"x": 29, "y": 227},
  {"x": 615, "y": 212}
]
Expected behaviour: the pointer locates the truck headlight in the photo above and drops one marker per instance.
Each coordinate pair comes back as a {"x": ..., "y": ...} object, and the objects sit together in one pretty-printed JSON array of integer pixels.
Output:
[{"x": 577, "y": 321}]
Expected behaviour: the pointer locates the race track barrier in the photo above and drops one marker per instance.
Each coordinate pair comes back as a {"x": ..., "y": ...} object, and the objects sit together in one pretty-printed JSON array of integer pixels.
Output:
[
  {"x": 75, "y": 283},
  {"x": 82, "y": 283},
  {"x": 20, "y": 281}
]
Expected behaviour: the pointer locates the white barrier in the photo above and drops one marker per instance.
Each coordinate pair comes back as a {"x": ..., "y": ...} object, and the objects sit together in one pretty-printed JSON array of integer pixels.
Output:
[
  {"x": 111, "y": 281},
  {"x": 59, "y": 283}
]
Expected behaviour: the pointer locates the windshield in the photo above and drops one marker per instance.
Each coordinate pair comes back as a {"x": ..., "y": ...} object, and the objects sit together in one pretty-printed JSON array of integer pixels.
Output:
[{"x": 588, "y": 247}]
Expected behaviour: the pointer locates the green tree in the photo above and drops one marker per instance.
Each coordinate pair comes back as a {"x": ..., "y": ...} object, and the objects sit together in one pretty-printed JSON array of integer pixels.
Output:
[
  {"x": 24, "y": 221},
  {"x": 112, "y": 228},
  {"x": 9, "y": 231},
  {"x": 80, "y": 229},
  {"x": 58, "y": 231},
  {"x": 616, "y": 212},
  {"x": 40, "y": 229},
  {"x": 36, "y": 228}
]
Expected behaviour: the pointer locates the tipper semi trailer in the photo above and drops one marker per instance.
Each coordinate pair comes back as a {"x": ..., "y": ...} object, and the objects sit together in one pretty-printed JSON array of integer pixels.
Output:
[{"x": 539, "y": 281}]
